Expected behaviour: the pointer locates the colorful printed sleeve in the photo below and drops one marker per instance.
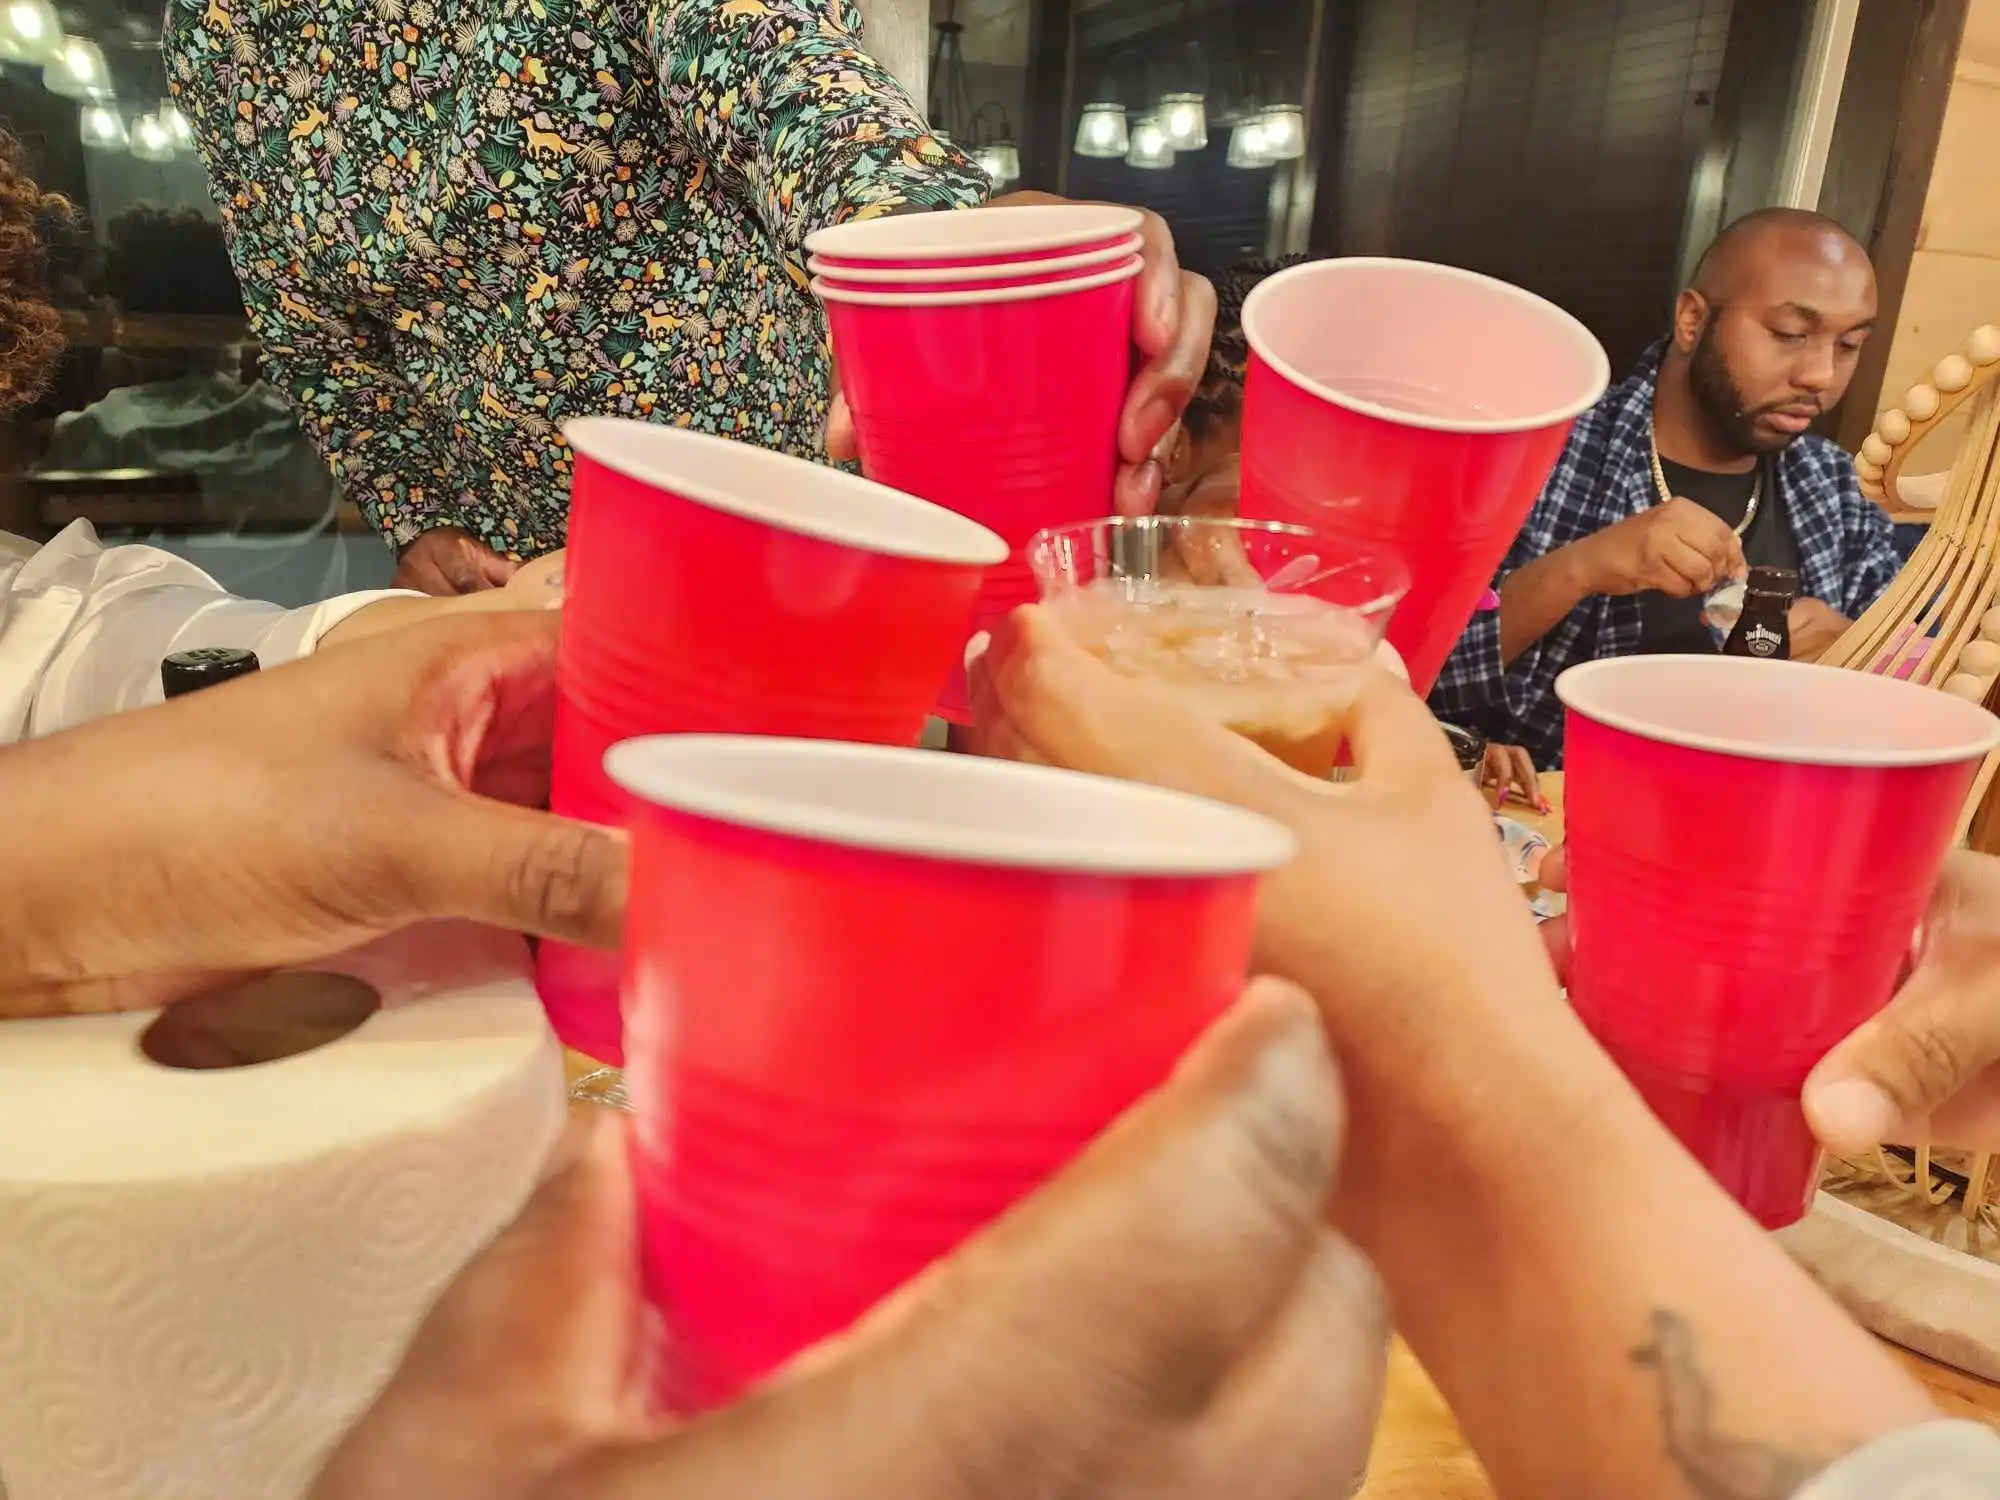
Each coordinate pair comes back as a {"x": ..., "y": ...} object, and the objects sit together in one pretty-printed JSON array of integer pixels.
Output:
[
  {"x": 781, "y": 96},
  {"x": 320, "y": 351},
  {"x": 357, "y": 410}
]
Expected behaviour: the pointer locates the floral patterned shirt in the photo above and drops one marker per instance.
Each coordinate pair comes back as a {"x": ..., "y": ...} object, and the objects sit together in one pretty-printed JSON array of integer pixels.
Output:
[{"x": 460, "y": 223}]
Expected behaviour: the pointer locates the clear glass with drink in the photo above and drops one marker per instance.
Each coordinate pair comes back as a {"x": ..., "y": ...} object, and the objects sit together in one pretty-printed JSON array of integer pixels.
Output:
[{"x": 1267, "y": 627}]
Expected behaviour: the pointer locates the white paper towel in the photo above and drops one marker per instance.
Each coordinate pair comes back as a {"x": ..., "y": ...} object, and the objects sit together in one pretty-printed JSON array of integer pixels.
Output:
[{"x": 206, "y": 1276}]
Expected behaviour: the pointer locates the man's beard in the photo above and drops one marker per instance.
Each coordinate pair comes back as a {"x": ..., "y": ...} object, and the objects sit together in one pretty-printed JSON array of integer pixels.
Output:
[{"x": 1724, "y": 405}]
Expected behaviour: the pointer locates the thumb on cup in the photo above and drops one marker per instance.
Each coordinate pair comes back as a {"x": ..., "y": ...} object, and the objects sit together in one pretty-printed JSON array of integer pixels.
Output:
[{"x": 1911, "y": 1071}]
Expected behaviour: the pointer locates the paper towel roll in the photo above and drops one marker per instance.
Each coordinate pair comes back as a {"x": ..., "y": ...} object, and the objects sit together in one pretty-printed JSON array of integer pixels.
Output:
[{"x": 206, "y": 1276}]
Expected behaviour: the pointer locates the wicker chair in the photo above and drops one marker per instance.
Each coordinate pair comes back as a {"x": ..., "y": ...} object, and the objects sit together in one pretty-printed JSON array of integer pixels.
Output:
[
  {"x": 1907, "y": 1238},
  {"x": 1939, "y": 622}
]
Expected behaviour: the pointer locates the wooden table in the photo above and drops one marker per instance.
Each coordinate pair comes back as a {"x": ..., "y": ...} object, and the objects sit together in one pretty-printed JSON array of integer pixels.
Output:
[{"x": 1420, "y": 1453}]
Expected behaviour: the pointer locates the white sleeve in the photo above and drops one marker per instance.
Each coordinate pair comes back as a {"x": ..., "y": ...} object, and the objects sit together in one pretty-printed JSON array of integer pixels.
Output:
[
  {"x": 83, "y": 627},
  {"x": 1942, "y": 1461}
]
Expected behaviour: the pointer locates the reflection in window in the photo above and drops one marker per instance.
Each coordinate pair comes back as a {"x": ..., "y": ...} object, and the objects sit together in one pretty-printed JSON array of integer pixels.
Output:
[{"x": 158, "y": 426}]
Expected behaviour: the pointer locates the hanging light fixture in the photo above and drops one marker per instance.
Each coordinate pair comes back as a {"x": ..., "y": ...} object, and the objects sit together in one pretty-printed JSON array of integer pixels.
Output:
[
  {"x": 1150, "y": 149},
  {"x": 152, "y": 139},
  {"x": 1284, "y": 132},
  {"x": 175, "y": 123},
  {"x": 102, "y": 128},
  {"x": 1000, "y": 161},
  {"x": 1102, "y": 130},
  {"x": 1184, "y": 117},
  {"x": 1247, "y": 145},
  {"x": 30, "y": 32},
  {"x": 80, "y": 72}
]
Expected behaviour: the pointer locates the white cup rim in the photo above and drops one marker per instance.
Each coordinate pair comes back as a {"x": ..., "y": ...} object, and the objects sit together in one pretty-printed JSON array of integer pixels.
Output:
[
  {"x": 1573, "y": 328},
  {"x": 1966, "y": 731},
  {"x": 1006, "y": 270},
  {"x": 952, "y": 235},
  {"x": 791, "y": 494},
  {"x": 1029, "y": 293},
  {"x": 997, "y": 813}
]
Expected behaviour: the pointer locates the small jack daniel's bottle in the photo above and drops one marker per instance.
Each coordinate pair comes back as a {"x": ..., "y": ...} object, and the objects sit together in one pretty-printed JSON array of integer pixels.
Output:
[{"x": 1764, "y": 630}]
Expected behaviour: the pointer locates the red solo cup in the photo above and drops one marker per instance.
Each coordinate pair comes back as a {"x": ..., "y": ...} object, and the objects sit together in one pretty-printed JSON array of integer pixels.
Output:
[
  {"x": 1417, "y": 408},
  {"x": 1751, "y": 848},
  {"x": 956, "y": 397},
  {"x": 987, "y": 236},
  {"x": 876, "y": 997},
  {"x": 714, "y": 586},
  {"x": 1125, "y": 263},
  {"x": 972, "y": 278}
]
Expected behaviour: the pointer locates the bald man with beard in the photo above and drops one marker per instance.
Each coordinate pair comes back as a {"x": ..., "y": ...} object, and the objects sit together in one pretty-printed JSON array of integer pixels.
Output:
[{"x": 1700, "y": 464}]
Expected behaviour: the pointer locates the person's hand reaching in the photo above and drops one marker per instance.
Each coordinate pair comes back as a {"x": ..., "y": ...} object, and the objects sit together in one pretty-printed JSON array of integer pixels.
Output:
[
  {"x": 1173, "y": 317},
  {"x": 1383, "y": 860},
  {"x": 1927, "y": 1070},
  {"x": 450, "y": 560},
  {"x": 1815, "y": 626},
  {"x": 1510, "y": 771},
  {"x": 293, "y": 814},
  {"x": 1676, "y": 547},
  {"x": 1168, "y": 1317}
]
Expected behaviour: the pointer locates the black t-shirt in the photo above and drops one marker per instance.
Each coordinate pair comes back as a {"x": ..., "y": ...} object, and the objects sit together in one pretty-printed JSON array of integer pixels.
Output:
[{"x": 1669, "y": 625}]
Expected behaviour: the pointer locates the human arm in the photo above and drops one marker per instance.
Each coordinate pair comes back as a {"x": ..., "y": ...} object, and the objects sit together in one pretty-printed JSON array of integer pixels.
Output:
[
  {"x": 783, "y": 97},
  {"x": 1677, "y": 548},
  {"x": 333, "y": 362},
  {"x": 1602, "y": 1319},
  {"x": 1814, "y": 626},
  {"x": 84, "y": 627},
  {"x": 1167, "y": 1318},
  {"x": 1927, "y": 1070},
  {"x": 294, "y": 814}
]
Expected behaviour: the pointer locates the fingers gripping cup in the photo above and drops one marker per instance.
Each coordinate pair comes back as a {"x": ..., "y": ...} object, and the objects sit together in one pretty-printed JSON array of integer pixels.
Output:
[
  {"x": 714, "y": 586},
  {"x": 1751, "y": 846},
  {"x": 1001, "y": 404},
  {"x": 1418, "y": 409},
  {"x": 1268, "y": 628},
  {"x": 876, "y": 996}
]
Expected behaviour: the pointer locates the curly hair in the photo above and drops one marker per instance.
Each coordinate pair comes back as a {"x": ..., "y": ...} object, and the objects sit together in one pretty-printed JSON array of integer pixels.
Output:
[
  {"x": 31, "y": 333},
  {"x": 1219, "y": 398}
]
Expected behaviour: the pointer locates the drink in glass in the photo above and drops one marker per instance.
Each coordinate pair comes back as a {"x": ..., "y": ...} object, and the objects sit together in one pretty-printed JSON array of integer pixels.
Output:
[{"x": 1265, "y": 627}]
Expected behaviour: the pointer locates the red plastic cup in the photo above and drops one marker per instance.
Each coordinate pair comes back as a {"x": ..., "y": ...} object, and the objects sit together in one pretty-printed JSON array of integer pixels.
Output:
[
  {"x": 714, "y": 586},
  {"x": 957, "y": 397},
  {"x": 987, "y": 276},
  {"x": 875, "y": 997},
  {"x": 994, "y": 236},
  {"x": 1751, "y": 848},
  {"x": 986, "y": 282},
  {"x": 1418, "y": 409}
]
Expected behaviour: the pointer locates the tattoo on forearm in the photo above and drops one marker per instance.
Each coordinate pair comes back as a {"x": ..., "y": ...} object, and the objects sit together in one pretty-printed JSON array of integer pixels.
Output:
[{"x": 1715, "y": 1465}]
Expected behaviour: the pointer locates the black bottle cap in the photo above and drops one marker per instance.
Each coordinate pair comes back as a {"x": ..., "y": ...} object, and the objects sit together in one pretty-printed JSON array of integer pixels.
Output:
[
  {"x": 185, "y": 671},
  {"x": 1773, "y": 581},
  {"x": 1467, "y": 744}
]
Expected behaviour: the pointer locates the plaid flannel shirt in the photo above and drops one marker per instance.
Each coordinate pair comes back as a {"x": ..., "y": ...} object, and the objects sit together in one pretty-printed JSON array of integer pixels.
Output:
[{"x": 1847, "y": 557}]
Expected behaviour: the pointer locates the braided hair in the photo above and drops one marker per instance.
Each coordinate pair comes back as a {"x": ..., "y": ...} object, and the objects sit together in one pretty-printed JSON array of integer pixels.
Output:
[{"x": 1219, "y": 398}]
